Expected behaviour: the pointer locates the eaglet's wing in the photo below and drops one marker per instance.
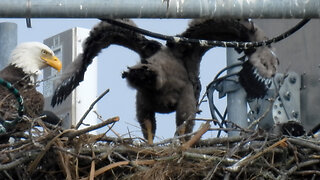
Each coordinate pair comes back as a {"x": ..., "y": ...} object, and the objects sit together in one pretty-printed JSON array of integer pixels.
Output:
[
  {"x": 262, "y": 62},
  {"x": 101, "y": 36}
]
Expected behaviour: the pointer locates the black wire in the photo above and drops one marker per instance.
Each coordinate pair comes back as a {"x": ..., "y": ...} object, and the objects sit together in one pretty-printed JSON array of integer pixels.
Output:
[
  {"x": 222, "y": 70},
  {"x": 139, "y": 30},
  {"x": 212, "y": 86},
  {"x": 210, "y": 91},
  {"x": 210, "y": 43}
]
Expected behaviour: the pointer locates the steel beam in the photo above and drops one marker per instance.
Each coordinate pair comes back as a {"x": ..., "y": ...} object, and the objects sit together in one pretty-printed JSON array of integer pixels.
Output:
[
  {"x": 159, "y": 8},
  {"x": 236, "y": 100}
]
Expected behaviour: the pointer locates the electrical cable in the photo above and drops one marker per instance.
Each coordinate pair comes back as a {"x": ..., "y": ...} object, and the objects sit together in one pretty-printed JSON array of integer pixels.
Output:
[{"x": 210, "y": 43}]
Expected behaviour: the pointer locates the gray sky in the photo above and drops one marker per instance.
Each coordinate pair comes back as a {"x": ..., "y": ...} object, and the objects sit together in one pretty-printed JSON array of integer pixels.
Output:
[{"x": 120, "y": 101}]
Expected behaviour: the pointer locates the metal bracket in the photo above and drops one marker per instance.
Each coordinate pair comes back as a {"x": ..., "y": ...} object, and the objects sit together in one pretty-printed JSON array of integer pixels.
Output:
[
  {"x": 286, "y": 107},
  {"x": 228, "y": 86}
]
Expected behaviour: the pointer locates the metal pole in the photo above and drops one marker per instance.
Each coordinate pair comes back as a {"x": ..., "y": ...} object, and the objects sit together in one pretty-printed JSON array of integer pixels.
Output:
[
  {"x": 236, "y": 100},
  {"x": 159, "y": 8},
  {"x": 8, "y": 41}
]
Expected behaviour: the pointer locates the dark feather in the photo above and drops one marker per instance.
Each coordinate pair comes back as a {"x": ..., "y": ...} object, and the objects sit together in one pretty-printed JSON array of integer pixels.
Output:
[
  {"x": 50, "y": 117},
  {"x": 102, "y": 36},
  {"x": 33, "y": 100}
]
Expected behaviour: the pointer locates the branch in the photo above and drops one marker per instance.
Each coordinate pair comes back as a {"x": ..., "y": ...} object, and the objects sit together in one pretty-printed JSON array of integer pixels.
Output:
[
  {"x": 300, "y": 165},
  {"x": 196, "y": 137},
  {"x": 90, "y": 108},
  {"x": 304, "y": 143},
  {"x": 120, "y": 163},
  {"x": 75, "y": 133},
  {"x": 247, "y": 159}
]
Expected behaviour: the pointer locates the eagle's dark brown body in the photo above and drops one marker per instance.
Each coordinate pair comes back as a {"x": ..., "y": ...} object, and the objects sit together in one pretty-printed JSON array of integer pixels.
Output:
[{"x": 33, "y": 100}]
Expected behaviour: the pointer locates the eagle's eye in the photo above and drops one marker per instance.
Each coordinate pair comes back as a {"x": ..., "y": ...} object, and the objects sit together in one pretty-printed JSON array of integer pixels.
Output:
[{"x": 44, "y": 52}]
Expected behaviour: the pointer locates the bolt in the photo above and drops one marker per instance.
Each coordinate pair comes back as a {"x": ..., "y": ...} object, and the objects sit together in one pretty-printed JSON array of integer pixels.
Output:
[
  {"x": 295, "y": 114},
  {"x": 279, "y": 79},
  {"x": 287, "y": 95},
  {"x": 293, "y": 79}
]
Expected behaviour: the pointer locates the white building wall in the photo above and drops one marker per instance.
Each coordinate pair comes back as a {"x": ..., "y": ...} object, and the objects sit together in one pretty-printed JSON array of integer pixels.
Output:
[{"x": 67, "y": 45}]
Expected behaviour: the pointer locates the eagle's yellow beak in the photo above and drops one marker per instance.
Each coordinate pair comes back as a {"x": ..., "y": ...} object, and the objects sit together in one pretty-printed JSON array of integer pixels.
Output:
[{"x": 52, "y": 61}]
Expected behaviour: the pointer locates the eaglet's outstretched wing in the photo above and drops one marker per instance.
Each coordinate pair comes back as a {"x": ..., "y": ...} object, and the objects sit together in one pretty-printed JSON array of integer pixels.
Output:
[
  {"x": 261, "y": 64},
  {"x": 101, "y": 36}
]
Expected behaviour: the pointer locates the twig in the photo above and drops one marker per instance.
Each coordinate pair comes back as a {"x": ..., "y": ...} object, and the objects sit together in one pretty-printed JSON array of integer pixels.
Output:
[
  {"x": 110, "y": 127},
  {"x": 196, "y": 137},
  {"x": 214, "y": 169},
  {"x": 90, "y": 108},
  {"x": 8, "y": 175},
  {"x": 222, "y": 140},
  {"x": 223, "y": 129},
  {"x": 170, "y": 140},
  {"x": 64, "y": 161},
  {"x": 302, "y": 164},
  {"x": 235, "y": 125},
  {"x": 116, "y": 140},
  {"x": 210, "y": 120},
  {"x": 120, "y": 163},
  {"x": 307, "y": 172},
  {"x": 93, "y": 167},
  {"x": 73, "y": 154},
  {"x": 199, "y": 157},
  {"x": 72, "y": 134},
  {"x": 298, "y": 166},
  {"x": 271, "y": 167},
  {"x": 237, "y": 166},
  {"x": 13, "y": 164},
  {"x": 34, "y": 164},
  {"x": 304, "y": 143}
]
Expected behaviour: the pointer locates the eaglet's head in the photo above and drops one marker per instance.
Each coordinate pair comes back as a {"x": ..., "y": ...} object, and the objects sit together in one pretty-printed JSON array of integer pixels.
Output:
[{"x": 34, "y": 56}]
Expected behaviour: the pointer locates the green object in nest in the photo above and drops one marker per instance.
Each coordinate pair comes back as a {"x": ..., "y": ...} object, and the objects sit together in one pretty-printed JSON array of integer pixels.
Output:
[{"x": 4, "y": 124}]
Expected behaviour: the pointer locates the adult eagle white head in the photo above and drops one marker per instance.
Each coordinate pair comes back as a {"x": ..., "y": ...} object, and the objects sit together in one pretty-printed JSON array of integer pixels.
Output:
[
  {"x": 31, "y": 57},
  {"x": 25, "y": 63}
]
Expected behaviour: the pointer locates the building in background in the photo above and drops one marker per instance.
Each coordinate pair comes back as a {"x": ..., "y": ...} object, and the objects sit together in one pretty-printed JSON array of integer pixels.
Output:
[{"x": 66, "y": 46}]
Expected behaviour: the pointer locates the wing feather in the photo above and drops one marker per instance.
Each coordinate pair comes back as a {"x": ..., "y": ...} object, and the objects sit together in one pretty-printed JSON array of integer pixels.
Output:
[{"x": 101, "y": 36}]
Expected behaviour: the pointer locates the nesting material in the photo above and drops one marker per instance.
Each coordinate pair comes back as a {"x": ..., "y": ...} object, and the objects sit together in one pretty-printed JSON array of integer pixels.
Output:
[{"x": 48, "y": 152}]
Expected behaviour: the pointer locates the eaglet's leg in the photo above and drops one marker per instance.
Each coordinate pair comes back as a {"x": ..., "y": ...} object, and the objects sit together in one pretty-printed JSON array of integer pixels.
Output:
[
  {"x": 146, "y": 118},
  {"x": 186, "y": 111}
]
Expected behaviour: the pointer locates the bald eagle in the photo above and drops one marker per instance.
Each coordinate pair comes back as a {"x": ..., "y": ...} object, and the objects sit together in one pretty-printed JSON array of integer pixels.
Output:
[
  {"x": 167, "y": 77},
  {"x": 25, "y": 63}
]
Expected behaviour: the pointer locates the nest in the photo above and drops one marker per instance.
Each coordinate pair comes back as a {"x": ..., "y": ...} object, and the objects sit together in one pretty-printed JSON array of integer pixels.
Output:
[{"x": 44, "y": 151}]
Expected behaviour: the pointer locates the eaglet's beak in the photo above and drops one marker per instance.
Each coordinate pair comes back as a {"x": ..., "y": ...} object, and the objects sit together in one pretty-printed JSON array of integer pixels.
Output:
[{"x": 52, "y": 61}]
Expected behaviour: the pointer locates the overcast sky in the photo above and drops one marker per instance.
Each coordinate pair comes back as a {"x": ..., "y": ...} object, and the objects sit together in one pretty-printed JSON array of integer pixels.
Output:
[{"x": 120, "y": 101}]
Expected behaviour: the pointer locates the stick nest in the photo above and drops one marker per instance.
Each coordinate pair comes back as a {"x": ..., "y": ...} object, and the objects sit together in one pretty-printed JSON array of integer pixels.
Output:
[{"x": 46, "y": 152}]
